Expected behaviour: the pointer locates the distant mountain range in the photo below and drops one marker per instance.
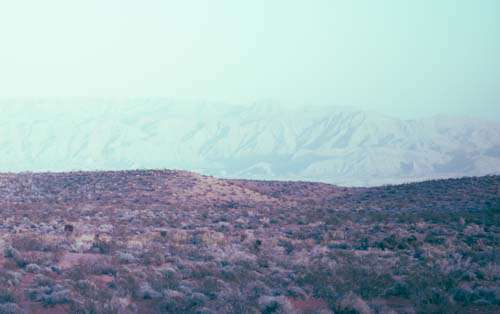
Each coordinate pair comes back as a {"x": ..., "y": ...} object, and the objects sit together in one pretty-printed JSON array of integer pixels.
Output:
[{"x": 328, "y": 144}]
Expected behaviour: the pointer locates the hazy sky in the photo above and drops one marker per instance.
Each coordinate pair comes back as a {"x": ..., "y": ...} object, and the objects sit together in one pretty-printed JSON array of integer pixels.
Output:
[{"x": 402, "y": 57}]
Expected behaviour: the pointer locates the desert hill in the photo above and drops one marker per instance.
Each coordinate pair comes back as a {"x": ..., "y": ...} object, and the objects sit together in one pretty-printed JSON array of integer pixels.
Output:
[
  {"x": 188, "y": 190},
  {"x": 179, "y": 242}
]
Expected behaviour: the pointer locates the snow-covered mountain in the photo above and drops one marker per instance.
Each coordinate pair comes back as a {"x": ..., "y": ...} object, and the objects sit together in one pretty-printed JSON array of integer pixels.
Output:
[{"x": 336, "y": 145}]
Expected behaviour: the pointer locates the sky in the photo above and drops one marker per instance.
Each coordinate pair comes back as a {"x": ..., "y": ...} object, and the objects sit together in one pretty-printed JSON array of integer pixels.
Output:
[{"x": 400, "y": 57}]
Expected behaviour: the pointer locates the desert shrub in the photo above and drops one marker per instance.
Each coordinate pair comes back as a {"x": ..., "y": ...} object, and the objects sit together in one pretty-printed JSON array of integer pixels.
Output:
[
  {"x": 255, "y": 289},
  {"x": 389, "y": 242},
  {"x": 234, "y": 301},
  {"x": 87, "y": 298},
  {"x": 28, "y": 243},
  {"x": 24, "y": 259},
  {"x": 9, "y": 278},
  {"x": 44, "y": 290},
  {"x": 153, "y": 256},
  {"x": 10, "y": 308},
  {"x": 322, "y": 282},
  {"x": 363, "y": 244},
  {"x": 196, "y": 239},
  {"x": 92, "y": 306},
  {"x": 434, "y": 300},
  {"x": 169, "y": 305},
  {"x": 16, "y": 256},
  {"x": 234, "y": 273},
  {"x": 487, "y": 295},
  {"x": 287, "y": 245},
  {"x": 366, "y": 276},
  {"x": 411, "y": 240},
  {"x": 211, "y": 286},
  {"x": 431, "y": 289},
  {"x": 262, "y": 262},
  {"x": 103, "y": 269},
  {"x": 103, "y": 247},
  {"x": 146, "y": 292},
  {"x": 10, "y": 252},
  {"x": 434, "y": 239},
  {"x": 84, "y": 287},
  {"x": 32, "y": 268},
  {"x": 86, "y": 268},
  {"x": 196, "y": 300},
  {"x": 463, "y": 296},
  {"x": 339, "y": 246},
  {"x": 202, "y": 270},
  {"x": 42, "y": 280},
  {"x": 167, "y": 278},
  {"x": 178, "y": 302},
  {"x": 125, "y": 258},
  {"x": 271, "y": 304},
  {"x": 78, "y": 272},
  {"x": 126, "y": 282},
  {"x": 398, "y": 289},
  {"x": 7, "y": 296},
  {"x": 57, "y": 296},
  {"x": 257, "y": 245},
  {"x": 31, "y": 242},
  {"x": 352, "y": 304}
]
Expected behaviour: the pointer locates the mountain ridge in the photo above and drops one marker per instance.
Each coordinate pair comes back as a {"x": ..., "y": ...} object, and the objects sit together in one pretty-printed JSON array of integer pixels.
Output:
[{"x": 327, "y": 144}]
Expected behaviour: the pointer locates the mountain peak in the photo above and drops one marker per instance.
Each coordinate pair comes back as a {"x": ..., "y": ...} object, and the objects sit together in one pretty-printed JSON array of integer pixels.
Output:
[{"x": 264, "y": 141}]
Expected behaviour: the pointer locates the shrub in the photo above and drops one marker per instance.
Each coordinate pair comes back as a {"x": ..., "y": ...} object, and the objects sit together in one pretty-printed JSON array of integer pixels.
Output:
[
  {"x": 125, "y": 258},
  {"x": 399, "y": 289},
  {"x": 7, "y": 296},
  {"x": 352, "y": 303},
  {"x": 146, "y": 292},
  {"x": 31, "y": 242},
  {"x": 269, "y": 304},
  {"x": 33, "y": 268},
  {"x": 434, "y": 239},
  {"x": 102, "y": 247},
  {"x": 47, "y": 292},
  {"x": 11, "y": 252},
  {"x": 10, "y": 308},
  {"x": 287, "y": 245}
]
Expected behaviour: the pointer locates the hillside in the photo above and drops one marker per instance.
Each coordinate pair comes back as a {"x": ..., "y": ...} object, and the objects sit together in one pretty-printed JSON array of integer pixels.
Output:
[
  {"x": 179, "y": 242},
  {"x": 335, "y": 145},
  {"x": 187, "y": 190}
]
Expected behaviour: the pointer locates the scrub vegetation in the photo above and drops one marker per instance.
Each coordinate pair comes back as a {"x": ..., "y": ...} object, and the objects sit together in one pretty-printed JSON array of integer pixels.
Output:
[{"x": 178, "y": 242}]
